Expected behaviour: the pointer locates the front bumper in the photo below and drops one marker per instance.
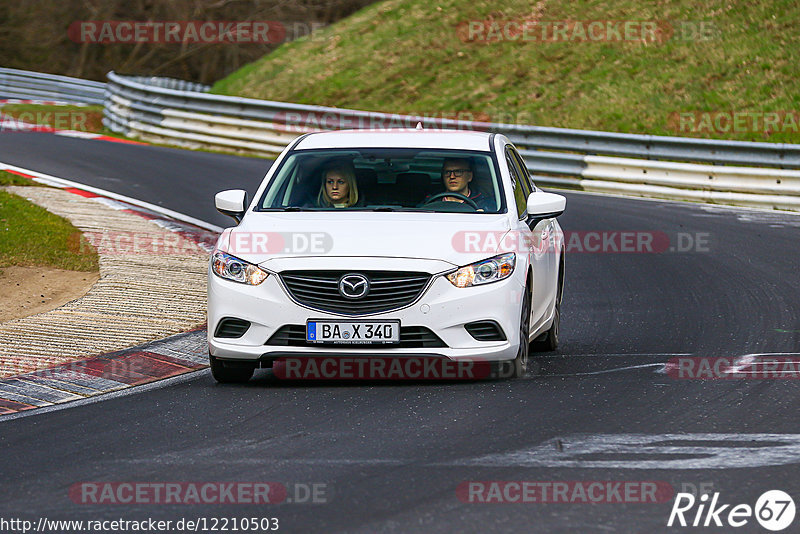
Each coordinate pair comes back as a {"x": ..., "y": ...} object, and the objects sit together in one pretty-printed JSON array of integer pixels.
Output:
[{"x": 442, "y": 308}]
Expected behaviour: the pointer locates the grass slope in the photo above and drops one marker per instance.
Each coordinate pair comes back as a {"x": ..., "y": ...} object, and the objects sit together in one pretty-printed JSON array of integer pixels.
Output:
[
  {"x": 81, "y": 118},
  {"x": 415, "y": 56},
  {"x": 31, "y": 235}
]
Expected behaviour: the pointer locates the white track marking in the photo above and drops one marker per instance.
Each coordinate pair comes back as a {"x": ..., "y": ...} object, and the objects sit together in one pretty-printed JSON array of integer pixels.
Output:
[
  {"x": 728, "y": 451},
  {"x": 606, "y": 371},
  {"x": 61, "y": 182}
]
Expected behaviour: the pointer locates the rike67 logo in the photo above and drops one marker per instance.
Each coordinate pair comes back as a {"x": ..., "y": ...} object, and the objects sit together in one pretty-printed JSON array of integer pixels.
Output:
[{"x": 774, "y": 510}]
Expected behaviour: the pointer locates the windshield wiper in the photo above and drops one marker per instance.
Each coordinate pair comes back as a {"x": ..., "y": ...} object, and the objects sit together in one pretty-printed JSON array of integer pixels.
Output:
[{"x": 400, "y": 208}]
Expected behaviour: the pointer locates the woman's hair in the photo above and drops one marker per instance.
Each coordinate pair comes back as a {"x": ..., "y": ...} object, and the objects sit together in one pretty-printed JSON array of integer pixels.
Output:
[{"x": 348, "y": 172}]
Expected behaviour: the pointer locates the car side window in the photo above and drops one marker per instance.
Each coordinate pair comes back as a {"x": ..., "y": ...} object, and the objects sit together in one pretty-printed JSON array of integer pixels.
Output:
[
  {"x": 521, "y": 184},
  {"x": 523, "y": 168}
]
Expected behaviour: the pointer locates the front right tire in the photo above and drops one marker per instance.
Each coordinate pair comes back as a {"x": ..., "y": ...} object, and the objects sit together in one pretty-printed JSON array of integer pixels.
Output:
[{"x": 548, "y": 341}]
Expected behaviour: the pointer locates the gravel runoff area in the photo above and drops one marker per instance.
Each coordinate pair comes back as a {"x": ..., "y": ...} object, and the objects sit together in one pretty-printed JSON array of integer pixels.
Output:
[{"x": 152, "y": 284}]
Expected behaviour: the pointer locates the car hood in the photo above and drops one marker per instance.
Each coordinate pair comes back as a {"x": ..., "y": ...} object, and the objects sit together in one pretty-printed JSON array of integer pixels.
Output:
[{"x": 279, "y": 241}]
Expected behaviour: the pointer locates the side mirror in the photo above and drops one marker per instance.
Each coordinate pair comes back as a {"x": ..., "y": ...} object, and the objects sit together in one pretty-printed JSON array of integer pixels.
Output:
[
  {"x": 543, "y": 205},
  {"x": 232, "y": 203}
]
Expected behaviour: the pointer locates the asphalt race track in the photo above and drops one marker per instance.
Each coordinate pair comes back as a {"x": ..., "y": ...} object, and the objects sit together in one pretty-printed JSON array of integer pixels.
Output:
[
  {"x": 389, "y": 457},
  {"x": 141, "y": 172}
]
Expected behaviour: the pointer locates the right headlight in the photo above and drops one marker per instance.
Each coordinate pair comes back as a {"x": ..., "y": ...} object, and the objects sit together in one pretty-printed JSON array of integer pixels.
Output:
[{"x": 484, "y": 271}]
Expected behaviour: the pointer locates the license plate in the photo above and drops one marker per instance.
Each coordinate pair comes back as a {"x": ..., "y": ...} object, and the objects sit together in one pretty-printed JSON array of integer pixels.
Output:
[{"x": 353, "y": 332}]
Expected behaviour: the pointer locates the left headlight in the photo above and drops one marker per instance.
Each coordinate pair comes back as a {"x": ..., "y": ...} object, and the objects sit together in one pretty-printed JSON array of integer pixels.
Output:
[
  {"x": 232, "y": 268},
  {"x": 484, "y": 271}
]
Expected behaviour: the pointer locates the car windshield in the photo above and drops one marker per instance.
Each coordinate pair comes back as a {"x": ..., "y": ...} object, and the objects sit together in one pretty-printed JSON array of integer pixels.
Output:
[{"x": 385, "y": 180}]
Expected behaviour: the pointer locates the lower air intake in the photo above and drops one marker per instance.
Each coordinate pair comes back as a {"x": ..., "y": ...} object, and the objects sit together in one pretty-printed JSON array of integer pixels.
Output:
[
  {"x": 231, "y": 328},
  {"x": 485, "y": 331}
]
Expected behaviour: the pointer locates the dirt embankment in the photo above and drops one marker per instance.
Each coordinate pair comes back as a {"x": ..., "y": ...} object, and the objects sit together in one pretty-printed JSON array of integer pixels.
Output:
[{"x": 31, "y": 290}]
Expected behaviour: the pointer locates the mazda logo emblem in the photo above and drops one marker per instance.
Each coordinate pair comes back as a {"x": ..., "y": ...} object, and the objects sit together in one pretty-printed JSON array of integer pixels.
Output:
[{"x": 353, "y": 286}]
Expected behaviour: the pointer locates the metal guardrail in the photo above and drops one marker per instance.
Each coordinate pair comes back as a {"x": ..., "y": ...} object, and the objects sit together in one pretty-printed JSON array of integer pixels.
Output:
[
  {"x": 715, "y": 151},
  {"x": 28, "y": 85},
  {"x": 182, "y": 113},
  {"x": 170, "y": 83},
  {"x": 731, "y": 172}
]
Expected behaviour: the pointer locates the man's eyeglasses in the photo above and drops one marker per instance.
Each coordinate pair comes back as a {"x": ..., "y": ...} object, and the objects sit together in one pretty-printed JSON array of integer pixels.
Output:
[{"x": 458, "y": 173}]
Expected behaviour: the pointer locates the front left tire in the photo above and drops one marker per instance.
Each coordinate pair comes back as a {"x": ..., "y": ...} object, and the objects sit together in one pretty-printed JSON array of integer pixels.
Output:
[
  {"x": 548, "y": 342},
  {"x": 226, "y": 372},
  {"x": 519, "y": 365}
]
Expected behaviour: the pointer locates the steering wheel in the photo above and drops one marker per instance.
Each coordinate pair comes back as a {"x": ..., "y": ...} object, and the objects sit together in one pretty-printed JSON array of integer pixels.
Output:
[{"x": 466, "y": 199}]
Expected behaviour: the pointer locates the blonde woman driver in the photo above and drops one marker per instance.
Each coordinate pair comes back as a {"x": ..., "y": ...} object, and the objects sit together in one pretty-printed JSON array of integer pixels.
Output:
[{"x": 339, "y": 188}]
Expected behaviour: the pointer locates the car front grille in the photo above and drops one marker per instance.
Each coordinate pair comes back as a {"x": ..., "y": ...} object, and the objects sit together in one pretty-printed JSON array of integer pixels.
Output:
[
  {"x": 411, "y": 337},
  {"x": 389, "y": 290}
]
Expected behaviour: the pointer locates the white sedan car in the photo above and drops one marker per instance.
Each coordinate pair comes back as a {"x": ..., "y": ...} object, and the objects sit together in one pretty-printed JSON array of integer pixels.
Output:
[{"x": 387, "y": 244}]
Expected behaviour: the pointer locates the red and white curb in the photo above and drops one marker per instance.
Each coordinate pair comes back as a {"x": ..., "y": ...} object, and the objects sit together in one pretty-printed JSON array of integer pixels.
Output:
[
  {"x": 139, "y": 207},
  {"x": 13, "y": 124},
  {"x": 150, "y": 362},
  {"x": 157, "y": 360}
]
